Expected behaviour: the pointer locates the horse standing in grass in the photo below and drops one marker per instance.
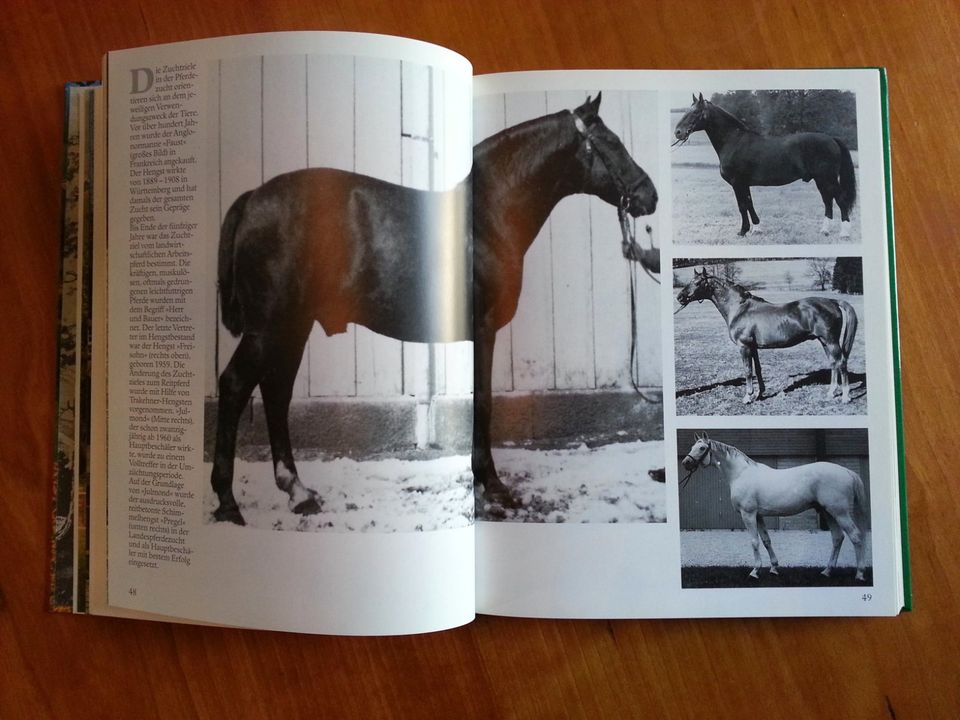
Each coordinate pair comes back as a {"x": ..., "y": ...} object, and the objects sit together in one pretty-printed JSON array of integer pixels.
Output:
[
  {"x": 754, "y": 323},
  {"x": 757, "y": 490},
  {"x": 748, "y": 159},
  {"x": 338, "y": 247}
]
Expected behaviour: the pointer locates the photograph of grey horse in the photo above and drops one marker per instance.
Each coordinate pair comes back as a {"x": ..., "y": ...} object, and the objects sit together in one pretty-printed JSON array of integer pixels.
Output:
[{"x": 758, "y": 491}]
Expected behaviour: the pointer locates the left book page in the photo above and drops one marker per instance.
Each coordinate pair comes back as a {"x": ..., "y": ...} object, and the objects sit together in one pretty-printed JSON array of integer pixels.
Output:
[{"x": 289, "y": 376}]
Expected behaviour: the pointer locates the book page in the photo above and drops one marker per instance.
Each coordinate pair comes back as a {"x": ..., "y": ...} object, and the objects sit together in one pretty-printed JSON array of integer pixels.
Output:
[
  {"x": 689, "y": 404},
  {"x": 289, "y": 315}
]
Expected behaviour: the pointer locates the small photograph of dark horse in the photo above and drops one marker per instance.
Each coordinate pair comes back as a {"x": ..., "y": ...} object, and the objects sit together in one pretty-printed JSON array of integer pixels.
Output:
[
  {"x": 769, "y": 336},
  {"x": 765, "y": 166},
  {"x": 774, "y": 508}
]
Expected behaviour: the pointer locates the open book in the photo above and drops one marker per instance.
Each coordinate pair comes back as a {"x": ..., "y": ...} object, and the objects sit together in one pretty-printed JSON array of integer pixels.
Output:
[{"x": 355, "y": 342}]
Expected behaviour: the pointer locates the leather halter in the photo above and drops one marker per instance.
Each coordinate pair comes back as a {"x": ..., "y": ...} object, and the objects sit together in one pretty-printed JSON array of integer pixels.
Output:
[
  {"x": 699, "y": 463},
  {"x": 591, "y": 144}
]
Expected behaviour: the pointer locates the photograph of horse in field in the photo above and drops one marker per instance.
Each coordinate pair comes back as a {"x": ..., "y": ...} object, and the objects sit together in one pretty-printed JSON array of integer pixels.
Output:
[
  {"x": 761, "y": 149},
  {"x": 802, "y": 491},
  {"x": 721, "y": 327},
  {"x": 344, "y": 250}
]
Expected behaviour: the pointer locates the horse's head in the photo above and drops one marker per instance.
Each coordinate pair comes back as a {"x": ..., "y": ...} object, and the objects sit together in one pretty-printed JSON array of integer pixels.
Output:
[
  {"x": 700, "y": 288},
  {"x": 695, "y": 119},
  {"x": 610, "y": 173},
  {"x": 700, "y": 455}
]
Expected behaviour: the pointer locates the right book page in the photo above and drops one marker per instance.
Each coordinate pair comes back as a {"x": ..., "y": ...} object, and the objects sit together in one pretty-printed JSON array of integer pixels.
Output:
[{"x": 685, "y": 370}]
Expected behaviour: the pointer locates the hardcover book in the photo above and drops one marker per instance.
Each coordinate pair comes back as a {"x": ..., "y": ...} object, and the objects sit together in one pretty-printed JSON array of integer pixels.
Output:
[{"x": 353, "y": 341}]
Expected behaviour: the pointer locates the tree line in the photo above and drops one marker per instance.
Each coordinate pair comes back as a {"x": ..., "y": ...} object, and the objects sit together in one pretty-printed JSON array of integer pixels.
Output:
[
  {"x": 781, "y": 112},
  {"x": 843, "y": 274}
]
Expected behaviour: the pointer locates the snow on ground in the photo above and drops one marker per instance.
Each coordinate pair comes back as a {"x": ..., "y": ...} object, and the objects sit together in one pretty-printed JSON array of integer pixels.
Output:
[
  {"x": 384, "y": 495},
  {"x": 794, "y": 548},
  {"x": 604, "y": 484}
]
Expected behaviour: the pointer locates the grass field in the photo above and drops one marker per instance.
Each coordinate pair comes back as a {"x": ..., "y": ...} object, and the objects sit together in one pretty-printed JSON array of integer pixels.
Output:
[
  {"x": 705, "y": 209},
  {"x": 709, "y": 371}
]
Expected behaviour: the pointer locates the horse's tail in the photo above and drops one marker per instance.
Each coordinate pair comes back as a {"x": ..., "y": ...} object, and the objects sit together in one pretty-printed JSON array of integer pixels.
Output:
[
  {"x": 848, "y": 327},
  {"x": 231, "y": 311},
  {"x": 848, "y": 179}
]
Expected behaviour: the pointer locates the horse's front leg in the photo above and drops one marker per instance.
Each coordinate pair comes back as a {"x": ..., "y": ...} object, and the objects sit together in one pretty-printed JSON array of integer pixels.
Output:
[
  {"x": 765, "y": 537},
  {"x": 750, "y": 523},
  {"x": 743, "y": 203},
  {"x": 484, "y": 470},
  {"x": 277, "y": 388},
  {"x": 746, "y": 355},
  {"x": 235, "y": 386}
]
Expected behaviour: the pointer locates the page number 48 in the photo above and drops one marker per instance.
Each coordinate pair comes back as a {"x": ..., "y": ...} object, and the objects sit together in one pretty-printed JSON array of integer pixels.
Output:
[{"x": 132, "y": 591}]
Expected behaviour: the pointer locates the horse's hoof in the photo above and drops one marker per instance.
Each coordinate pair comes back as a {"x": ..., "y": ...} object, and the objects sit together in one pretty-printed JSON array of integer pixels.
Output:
[
  {"x": 774, "y": 571},
  {"x": 860, "y": 577},
  {"x": 754, "y": 574},
  {"x": 501, "y": 496},
  {"x": 229, "y": 514},
  {"x": 310, "y": 506},
  {"x": 825, "y": 572},
  {"x": 747, "y": 399}
]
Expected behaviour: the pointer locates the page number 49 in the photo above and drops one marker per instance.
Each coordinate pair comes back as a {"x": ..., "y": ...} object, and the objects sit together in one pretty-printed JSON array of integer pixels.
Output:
[{"x": 866, "y": 597}]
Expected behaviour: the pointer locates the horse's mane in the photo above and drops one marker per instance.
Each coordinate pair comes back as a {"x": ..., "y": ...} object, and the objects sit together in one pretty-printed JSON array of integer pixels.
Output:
[
  {"x": 740, "y": 123},
  {"x": 512, "y": 143},
  {"x": 746, "y": 294},
  {"x": 731, "y": 450},
  {"x": 738, "y": 288}
]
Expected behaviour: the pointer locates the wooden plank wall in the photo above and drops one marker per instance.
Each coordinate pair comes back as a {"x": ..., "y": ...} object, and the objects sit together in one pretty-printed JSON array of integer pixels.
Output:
[{"x": 382, "y": 118}]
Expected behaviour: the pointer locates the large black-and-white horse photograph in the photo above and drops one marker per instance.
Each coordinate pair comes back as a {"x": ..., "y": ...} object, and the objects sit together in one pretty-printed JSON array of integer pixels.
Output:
[
  {"x": 340, "y": 396},
  {"x": 774, "y": 508},
  {"x": 765, "y": 166},
  {"x": 769, "y": 336}
]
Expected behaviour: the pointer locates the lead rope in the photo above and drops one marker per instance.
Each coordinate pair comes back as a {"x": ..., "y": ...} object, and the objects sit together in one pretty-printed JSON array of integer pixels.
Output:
[{"x": 628, "y": 243}]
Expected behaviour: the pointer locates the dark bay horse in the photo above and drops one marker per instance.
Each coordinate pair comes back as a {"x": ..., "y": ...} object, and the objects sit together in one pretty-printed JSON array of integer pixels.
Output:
[
  {"x": 748, "y": 158},
  {"x": 338, "y": 247},
  {"x": 757, "y": 490},
  {"x": 754, "y": 323}
]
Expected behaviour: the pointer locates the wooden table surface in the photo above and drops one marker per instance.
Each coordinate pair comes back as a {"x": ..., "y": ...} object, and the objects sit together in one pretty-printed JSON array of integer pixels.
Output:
[{"x": 907, "y": 667}]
